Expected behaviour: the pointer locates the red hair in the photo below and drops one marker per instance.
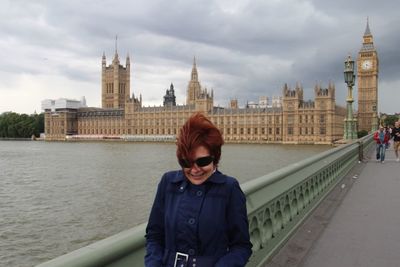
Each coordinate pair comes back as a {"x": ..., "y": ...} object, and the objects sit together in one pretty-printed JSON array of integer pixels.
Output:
[{"x": 199, "y": 131}]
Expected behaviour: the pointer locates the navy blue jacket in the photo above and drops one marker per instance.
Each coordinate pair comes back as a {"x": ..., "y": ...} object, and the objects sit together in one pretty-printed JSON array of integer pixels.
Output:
[{"x": 199, "y": 220}]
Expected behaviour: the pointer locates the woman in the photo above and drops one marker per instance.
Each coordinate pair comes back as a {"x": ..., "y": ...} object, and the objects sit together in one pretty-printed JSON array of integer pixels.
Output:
[{"x": 199, "y": 217}]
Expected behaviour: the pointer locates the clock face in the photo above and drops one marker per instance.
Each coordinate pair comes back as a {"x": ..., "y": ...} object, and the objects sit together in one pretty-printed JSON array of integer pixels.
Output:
[{"x": 366, "y": 64}]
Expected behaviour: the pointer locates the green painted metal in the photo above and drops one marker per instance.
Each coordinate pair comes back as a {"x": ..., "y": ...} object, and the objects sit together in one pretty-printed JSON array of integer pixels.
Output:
[
  {"x": 276, "y": 204},
  {"x": 279, "y": 202}
]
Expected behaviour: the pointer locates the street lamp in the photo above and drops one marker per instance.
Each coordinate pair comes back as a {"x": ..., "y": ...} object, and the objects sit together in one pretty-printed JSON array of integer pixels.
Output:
[
  {"x": 349, "y": 76},
  {"x": 374, "y": 118},
  {"x": 350, "y": 131}
]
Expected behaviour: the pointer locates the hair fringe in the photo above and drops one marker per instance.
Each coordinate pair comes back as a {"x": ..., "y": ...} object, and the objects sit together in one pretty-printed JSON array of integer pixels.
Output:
[{"x": 199, "y": 131}]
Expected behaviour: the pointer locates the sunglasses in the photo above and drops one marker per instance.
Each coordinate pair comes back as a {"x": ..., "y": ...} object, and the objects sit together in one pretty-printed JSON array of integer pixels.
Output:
[{"x": 200, "y": 162}]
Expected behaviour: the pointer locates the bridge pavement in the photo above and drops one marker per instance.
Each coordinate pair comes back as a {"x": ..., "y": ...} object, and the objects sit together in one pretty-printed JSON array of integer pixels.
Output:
[{"x": 357, "y": 225}]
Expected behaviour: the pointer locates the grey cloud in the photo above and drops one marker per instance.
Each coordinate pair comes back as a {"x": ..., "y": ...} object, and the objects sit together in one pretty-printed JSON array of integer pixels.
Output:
[{"x": 244, "y": 49}]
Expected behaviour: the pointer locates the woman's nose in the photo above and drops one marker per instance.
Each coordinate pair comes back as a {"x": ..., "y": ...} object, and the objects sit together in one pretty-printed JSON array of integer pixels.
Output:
[{"x": 195, "y": 167}]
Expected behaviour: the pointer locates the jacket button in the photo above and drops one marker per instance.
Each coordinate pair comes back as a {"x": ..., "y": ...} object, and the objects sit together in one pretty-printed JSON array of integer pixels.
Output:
[
  {"x": 192, "y": 221},
  {"x": 191, "y": 251},
  {"x": 199, "y": 193}
]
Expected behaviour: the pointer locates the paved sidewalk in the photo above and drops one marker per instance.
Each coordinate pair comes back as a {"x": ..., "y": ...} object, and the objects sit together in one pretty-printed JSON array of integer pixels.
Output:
[
  {"x": 357, "y": 225},
  {"x": 365, "y": 229}
]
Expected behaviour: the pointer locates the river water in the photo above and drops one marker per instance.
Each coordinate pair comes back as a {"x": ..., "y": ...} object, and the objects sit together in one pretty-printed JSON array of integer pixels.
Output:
[{"x": 56, "y": 197}]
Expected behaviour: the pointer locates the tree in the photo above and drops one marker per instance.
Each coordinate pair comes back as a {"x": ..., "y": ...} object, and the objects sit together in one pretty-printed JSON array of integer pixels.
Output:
[
  {"x": 390, "y": 120},
  {"x": 14, "y": 125}
]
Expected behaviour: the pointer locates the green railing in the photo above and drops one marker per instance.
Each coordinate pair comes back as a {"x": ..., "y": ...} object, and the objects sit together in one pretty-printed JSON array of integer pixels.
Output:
[{"x": 276, "y": 204}]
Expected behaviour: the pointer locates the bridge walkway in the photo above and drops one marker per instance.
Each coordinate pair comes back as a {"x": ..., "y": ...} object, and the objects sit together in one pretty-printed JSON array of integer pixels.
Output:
[{"x": 357, "y": 225}]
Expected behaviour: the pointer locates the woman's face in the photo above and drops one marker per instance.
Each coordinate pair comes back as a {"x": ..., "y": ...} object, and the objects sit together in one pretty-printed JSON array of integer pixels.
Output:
[{"x": 198, "y": 175}]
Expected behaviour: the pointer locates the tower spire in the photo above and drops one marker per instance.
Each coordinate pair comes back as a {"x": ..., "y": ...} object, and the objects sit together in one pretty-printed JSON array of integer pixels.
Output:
[
  {"x": 367, "y": 30},
  {"x": 116, "y": 58},
  {"x": 194, "y": 71},
  {"x": 116, "y": 43}
]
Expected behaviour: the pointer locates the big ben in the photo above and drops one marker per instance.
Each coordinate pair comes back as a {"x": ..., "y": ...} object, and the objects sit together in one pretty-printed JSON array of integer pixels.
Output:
[{"x": 368, "y": 68}]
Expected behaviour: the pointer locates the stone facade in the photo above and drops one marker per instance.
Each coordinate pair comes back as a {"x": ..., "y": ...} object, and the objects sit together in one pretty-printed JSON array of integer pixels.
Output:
[
  {"x": 294, "y": 121},
  {"x": 367, "y": 80},
  {"x": 115, "y": 85}
]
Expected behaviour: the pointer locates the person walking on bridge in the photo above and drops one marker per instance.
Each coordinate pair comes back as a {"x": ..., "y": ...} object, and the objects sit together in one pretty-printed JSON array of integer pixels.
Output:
[
  {"x": 199, "y": 215},
  {"x": 381, "y": 138},
  {"x": 396, "y": 139}
]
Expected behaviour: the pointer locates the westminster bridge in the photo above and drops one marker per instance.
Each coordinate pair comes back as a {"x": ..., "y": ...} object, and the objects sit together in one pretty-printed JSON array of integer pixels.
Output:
[{"x": 337, "y": 208}]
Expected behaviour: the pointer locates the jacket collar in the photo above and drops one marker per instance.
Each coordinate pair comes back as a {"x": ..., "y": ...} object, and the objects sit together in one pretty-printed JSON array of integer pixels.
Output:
[{"x": 217, "y": 177}]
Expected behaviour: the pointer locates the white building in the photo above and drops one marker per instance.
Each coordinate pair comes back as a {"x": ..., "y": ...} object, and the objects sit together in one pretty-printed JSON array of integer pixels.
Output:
[{"x": 63, "y": 103}]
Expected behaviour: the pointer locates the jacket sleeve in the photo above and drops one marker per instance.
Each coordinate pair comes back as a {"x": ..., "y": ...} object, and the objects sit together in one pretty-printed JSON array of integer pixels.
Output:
[
  {"x": 155, "y": 237},
  {"x": 376, "y": 138},
  {"x": 387, "y": 137},
  {"x": 238, "y": 231}
]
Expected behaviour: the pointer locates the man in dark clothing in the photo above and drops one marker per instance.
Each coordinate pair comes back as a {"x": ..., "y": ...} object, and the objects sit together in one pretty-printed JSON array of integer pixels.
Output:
[{"x": 396, "y": 139}]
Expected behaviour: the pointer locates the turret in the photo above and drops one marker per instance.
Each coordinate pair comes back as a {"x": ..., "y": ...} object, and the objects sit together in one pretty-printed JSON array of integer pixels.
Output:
[
  {"x": 299, "y": 91},
  {"x": 169, "y": 97},
  {"x": 103, "y": 61},
  {"x": 128, "y": 61}
]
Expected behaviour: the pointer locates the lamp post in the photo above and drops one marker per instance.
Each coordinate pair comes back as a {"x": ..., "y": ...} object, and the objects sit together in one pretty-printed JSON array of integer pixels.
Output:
[
  {"x": 350, "y": 124},
  {"x": 374, "y": 119}
]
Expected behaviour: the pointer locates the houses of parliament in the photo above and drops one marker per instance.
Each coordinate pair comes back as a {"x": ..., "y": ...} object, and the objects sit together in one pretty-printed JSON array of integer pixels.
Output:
[{"x": 289, "y": 120}]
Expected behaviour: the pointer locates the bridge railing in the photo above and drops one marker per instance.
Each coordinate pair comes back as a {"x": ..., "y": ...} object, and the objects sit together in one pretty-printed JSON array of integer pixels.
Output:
[
  {"x": 279, "y": 202},
  {"x": 276, "y": 204}
]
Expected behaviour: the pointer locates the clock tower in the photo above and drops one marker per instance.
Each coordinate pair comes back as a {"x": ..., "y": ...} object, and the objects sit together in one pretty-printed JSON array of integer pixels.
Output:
[{"x": 367, "y": 80}]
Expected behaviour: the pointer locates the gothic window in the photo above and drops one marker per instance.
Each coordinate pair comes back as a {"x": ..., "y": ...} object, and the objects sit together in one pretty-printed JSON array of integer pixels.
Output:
[
  {"x": 322, "y": 118},
  {"x": 290, "y": 119}
]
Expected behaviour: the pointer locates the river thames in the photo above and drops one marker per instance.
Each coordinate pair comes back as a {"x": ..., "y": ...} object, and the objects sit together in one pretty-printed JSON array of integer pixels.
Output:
[{"x": 56, "y": 197}]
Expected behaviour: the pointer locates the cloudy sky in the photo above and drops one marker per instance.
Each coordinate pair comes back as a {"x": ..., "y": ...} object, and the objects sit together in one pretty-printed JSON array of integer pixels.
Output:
[{"x": 244, "y": 49}]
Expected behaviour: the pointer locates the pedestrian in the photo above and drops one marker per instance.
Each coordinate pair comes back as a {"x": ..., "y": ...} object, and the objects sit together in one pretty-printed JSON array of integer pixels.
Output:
[
  {"x": 387, "y": 132},
  {"x": 381, "y": 139},
  {"x": 396, "y": 139},
  {"x": 199, "y": 215}
]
